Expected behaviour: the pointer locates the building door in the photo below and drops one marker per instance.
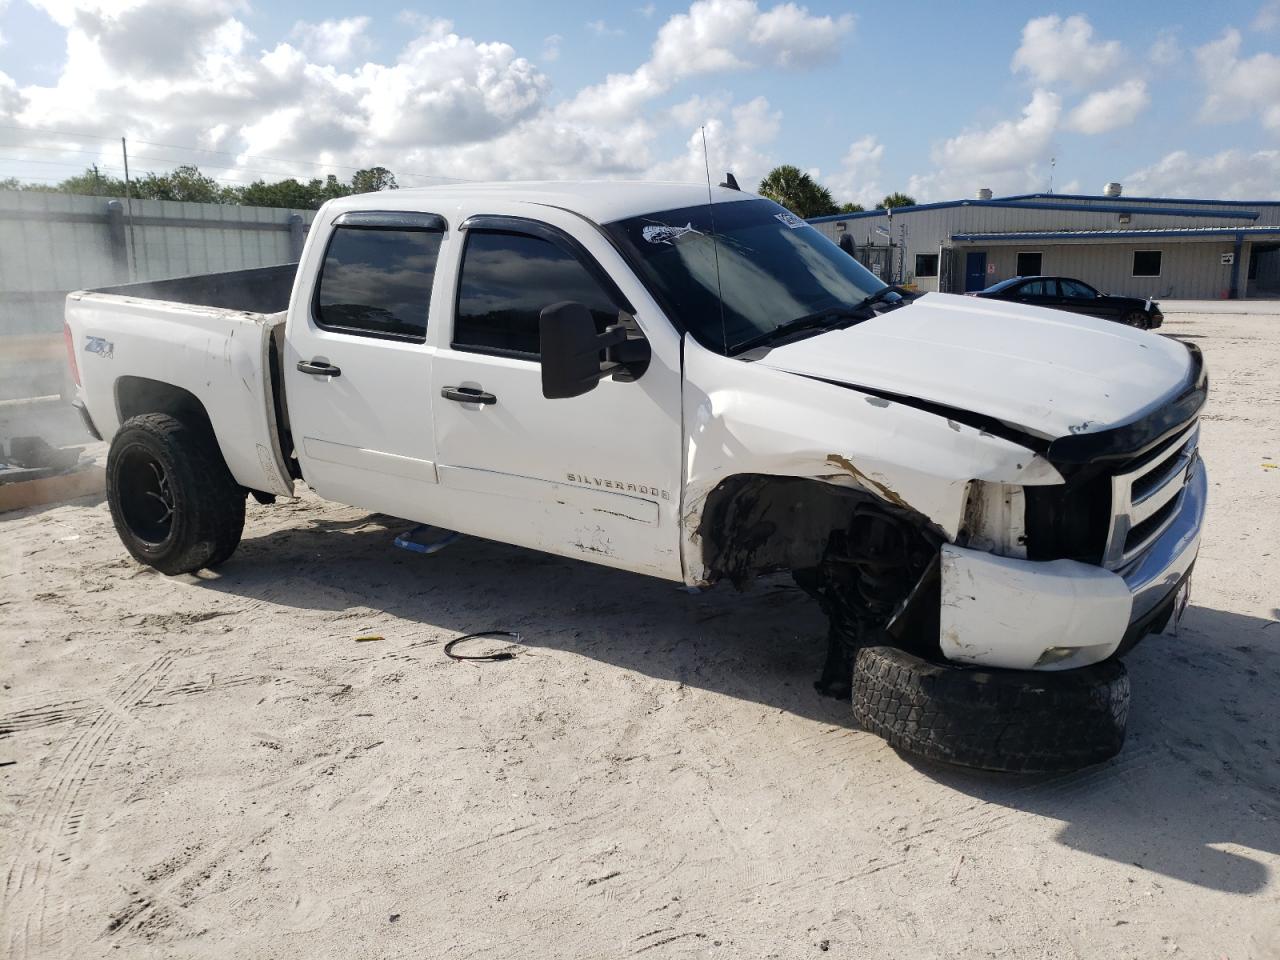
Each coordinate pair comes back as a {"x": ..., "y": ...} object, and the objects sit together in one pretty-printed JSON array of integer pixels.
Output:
[{"x": 975, "y": 270}]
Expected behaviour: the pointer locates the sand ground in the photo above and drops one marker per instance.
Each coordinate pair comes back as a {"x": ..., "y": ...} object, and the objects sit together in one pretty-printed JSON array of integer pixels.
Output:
[{"x": 211, "y": 766}]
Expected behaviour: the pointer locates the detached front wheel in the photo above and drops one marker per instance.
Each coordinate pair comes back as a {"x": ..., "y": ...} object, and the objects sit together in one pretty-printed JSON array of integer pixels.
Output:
[
  {"x": 174, "y": 503},
  {"x": 1026, "y": 721}
]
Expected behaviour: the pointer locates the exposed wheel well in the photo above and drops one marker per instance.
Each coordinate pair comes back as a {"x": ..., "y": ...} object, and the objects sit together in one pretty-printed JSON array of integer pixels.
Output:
[
  {"x": 139, "y": 395},
  {"x": 753, "y": 524}
]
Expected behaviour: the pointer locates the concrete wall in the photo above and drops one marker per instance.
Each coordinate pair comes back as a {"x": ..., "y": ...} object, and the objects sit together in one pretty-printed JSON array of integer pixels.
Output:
[{"x": 51, "y": 244}]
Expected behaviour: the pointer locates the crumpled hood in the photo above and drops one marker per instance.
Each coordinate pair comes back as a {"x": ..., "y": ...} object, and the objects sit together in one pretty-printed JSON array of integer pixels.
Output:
[{"x": 1046, "y": 371}]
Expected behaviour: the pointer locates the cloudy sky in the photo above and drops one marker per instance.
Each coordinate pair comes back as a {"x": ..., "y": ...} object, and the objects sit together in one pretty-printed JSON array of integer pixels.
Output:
[{"x": 1170, "y": 97}]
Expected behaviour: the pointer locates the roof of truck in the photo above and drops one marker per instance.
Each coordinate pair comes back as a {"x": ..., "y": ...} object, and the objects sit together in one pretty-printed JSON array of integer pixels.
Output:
[{"x": 600, "y": 200}]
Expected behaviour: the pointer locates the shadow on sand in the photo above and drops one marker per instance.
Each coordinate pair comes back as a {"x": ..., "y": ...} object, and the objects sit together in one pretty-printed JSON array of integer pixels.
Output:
[{"x": 1194, "y": 796}]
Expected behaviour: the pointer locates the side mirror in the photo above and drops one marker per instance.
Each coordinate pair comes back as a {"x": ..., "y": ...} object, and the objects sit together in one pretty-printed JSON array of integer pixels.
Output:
[{"x": 572, "y": 351}]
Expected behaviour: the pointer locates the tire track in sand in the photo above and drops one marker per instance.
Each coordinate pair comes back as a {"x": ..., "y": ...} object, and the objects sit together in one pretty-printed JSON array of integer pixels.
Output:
[{"x": 55, "y": 811}]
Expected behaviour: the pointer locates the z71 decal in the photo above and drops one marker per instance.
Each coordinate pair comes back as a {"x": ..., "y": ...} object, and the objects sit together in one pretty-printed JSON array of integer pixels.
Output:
[{"x": 101, "y": 346}]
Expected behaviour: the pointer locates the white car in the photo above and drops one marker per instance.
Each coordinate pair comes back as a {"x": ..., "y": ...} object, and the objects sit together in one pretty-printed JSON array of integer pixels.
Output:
[{"x": 991, "y": 501}]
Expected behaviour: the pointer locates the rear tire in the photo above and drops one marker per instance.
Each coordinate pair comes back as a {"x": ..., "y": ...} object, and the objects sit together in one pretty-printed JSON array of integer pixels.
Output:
[
  {"x": 1023, "y": 721},
  {"x": 174, "y": 503}
]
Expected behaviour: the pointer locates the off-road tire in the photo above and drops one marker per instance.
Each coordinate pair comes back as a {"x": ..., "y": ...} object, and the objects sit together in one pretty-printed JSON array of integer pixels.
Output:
[
  {"x": 1025, "y": 721},
  {"x": 1137, "y": 318},
  {"x": 205, "y": 504}
]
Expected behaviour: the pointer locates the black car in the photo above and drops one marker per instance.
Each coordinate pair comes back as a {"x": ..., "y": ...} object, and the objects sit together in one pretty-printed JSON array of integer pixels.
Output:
[{"x": 1063, "y": 293}]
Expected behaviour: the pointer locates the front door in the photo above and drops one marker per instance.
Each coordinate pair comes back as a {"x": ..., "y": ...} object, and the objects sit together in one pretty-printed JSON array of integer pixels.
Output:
[
  {"x": 975, "y": 271},
  {"x": 358, "y": 370},
  {"x": 595, "y": 476}
]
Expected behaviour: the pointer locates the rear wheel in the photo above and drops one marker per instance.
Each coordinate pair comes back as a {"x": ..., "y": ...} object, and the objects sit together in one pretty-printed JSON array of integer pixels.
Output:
[
  {"x": 174, "y": 503},
  {"x": 1026, "y": 721}
]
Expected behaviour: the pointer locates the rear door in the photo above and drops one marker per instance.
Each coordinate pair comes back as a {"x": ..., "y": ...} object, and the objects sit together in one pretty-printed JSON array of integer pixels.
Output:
[
  {"x": 1081, "y": 298},
  {"x": 1040, "y": 292},
  {"x": 358, "y": 369},
  {"x": 595, "y": 476}
]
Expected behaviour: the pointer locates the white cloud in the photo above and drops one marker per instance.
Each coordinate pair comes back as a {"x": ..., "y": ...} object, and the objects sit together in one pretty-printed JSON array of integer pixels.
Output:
[
  {"x": 1055, "y": 50},
  {"x": 647, "y": 11},
  {"x": 445, "y": 104},
  {"x": 716, "y": 36},
  {"x": 1009, "y": 157},
  {"x": 10, "y": 97},
  {"x": 551, "y": 47},
  {"x": 333, "y": 41},
  {"x": 1236, "y": 89},
  {"x": 602, "y": 29},
  {"x": 1268, "y": 17},
  {"x": 1008, "y": 144},
  {"x": 1228, "y": 175},
  {"x": 859, "y": 176},
  {"x": 1165, "y": 49},
  {"x": 736, "y": 144},
  {"x": 1110, "y": 109}
]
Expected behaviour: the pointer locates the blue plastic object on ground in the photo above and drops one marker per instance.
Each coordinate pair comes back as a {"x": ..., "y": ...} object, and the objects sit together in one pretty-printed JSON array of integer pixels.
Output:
[{"x": 426, "y": 539}]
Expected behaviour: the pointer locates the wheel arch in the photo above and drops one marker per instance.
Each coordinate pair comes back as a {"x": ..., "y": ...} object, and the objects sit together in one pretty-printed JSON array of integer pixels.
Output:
[
  {"x": 135, "y": 396},
  {"x": 754, "y": 523}
]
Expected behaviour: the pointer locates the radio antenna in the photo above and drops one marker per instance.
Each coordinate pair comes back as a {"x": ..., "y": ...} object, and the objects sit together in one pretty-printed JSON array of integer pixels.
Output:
[{"x": 715, "y": 246}]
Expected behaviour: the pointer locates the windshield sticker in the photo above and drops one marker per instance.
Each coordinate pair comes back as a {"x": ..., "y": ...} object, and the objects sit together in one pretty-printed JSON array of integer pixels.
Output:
[
  {"x": 661, "y": 233},
  {"x": 791, "y": 220}
]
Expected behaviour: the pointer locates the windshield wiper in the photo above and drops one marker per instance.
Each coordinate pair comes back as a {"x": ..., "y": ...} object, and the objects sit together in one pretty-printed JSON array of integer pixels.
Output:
[
  {"x": 828, "y": 319},
  {"x": 882, "y": 293}
]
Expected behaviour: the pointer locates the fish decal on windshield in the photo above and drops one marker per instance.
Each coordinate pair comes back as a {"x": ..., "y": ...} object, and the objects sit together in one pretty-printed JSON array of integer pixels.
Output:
[{"x": 661, "y": 233}]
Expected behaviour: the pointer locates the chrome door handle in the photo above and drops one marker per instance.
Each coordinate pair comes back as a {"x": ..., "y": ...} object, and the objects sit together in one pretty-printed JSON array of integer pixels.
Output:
[{"x": 321, "y": 368}]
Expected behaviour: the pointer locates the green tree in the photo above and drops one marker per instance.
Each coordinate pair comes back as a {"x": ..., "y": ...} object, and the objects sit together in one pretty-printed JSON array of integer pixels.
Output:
[
  {"x": 896, "y": 200},
  {"x": 851, "y": 208},
  {"x": 182, "y": 183},
  {"x": 283, "y": 193},
  {"x": 797, "y": 191},
  {"x": 91, "y": 183},
  {"x": 372, "y": 180}
]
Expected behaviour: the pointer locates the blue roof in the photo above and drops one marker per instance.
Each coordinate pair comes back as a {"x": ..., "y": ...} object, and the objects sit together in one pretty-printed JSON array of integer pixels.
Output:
[
  {"x": 1188, "y": 233},
  {"x": 1085, "y": 196},
  {"x": 1019, "y": 203}
]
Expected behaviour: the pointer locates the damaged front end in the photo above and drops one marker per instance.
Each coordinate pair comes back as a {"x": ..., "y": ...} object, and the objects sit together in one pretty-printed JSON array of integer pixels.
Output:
[{"x": 870, "y": 563}]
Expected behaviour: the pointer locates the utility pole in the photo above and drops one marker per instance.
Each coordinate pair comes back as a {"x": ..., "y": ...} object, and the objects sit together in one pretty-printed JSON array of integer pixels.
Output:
[
  {"x": 1053, "y": 162},
  {"x": 128, "y": 199}
]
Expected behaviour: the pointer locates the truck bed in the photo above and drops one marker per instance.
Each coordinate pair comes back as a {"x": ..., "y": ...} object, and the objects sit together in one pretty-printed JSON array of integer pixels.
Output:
[
  {"x": 257, "y": 290},
  {"x": 212, "y": 339}
]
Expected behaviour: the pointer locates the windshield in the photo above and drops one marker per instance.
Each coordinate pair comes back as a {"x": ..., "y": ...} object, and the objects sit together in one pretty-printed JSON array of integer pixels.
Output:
[{"x": 773, "y": 269}]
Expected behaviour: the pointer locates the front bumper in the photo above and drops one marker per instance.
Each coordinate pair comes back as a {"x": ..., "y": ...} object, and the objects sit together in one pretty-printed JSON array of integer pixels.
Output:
[{"x": 1060, "y": 614}]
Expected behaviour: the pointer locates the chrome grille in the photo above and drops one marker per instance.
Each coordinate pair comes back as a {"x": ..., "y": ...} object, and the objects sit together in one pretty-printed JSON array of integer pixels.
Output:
[{"x": 1145, "y": 498}]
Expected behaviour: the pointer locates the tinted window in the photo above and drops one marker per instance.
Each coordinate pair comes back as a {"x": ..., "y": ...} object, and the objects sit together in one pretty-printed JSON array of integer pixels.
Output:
[
  {"x": 1146, "y": 263},
  {"x": 926, "y": 264},
  {"x": 1029, "y": 264},
  {"x": 377, "y": 282},
  {"x": 1077, "y": 290},
  {"x": 507, "y": 279},
  {"x": 1010, "y": 285},
  {"x": 1036, "y": 288},
  {"x": 765, "y": 268}
]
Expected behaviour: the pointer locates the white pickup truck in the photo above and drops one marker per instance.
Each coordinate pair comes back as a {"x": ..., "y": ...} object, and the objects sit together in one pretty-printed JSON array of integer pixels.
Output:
[{"x": 991, "y": 502}]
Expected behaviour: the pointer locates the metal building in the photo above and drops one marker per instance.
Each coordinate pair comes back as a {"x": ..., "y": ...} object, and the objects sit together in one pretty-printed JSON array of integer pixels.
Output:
[{"x": 1130, "y": 246}]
